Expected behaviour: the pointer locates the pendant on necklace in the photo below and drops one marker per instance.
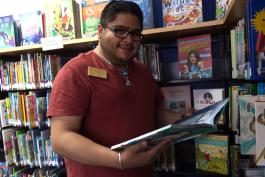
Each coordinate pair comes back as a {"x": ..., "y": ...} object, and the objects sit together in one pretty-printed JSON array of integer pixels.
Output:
[{"x": 128, "y": 83}]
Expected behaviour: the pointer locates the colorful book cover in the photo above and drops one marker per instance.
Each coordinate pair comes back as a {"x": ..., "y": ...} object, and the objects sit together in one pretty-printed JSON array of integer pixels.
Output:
[
  {"x": 177, "y": 98},
  {"x": 256, "y": 36},
  {"x": 31, "y": 27},
  {"x": 221, "y": 7},
  {"x": 59, "y": 19},
  {"x": 176, "y": 12},
  {"x": 206, "y": 97},
  {"x": 90, "y": 19},
  {"x": 147, "y": 9},
  {"x": 195, "y": 57},
  {"x": 211, "y": 153},
  {"x": 7, "y": 32},
  {"x": 260, "y": 132}
]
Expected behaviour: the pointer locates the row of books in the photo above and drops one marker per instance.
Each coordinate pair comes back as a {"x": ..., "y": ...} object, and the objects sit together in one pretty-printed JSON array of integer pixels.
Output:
[
  {"x": 29, "y": 148},
  {"x": 71, "y": 20},
  {"x": 24, "y": 110},
  {"x": 234, "y": 92},
  {"x": 192, "y": 58},
  {"x": 30, "y": 72},
  {"x": 248, "y": 44},
  {"x": 178, "y": 99},
  {"x": 26, "y": 171}
]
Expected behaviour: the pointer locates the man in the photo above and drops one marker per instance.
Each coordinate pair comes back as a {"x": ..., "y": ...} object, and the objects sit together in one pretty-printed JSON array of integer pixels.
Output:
[{"x": 104, "y": 97}]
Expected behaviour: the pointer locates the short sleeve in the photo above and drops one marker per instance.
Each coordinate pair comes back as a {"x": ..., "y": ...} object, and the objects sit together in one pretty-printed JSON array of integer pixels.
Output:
[{"x": 69, "y": 95}]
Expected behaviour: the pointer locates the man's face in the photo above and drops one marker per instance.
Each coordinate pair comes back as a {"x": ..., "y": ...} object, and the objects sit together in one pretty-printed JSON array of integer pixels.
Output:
[{"x": 120, "y": 50}]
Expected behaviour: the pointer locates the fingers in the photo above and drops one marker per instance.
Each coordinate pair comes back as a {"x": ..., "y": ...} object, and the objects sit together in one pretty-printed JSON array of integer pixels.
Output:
[{"x": 158, "y": 149}]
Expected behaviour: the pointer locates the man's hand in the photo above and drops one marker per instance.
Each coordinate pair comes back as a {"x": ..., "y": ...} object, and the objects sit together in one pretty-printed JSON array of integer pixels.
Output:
[{"x": 141, "y": 154}]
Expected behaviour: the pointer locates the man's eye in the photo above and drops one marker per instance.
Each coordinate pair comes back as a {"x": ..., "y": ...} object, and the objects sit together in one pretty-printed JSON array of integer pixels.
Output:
[{"x": 120, "y": 31}]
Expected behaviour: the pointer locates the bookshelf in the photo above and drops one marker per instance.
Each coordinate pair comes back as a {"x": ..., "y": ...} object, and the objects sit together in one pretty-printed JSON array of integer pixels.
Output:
[{"x": 234, "y": 13}]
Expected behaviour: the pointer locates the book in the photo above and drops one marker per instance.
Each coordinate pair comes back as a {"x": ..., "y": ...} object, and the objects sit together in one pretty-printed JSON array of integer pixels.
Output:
[
  {"x": 177, "y": 98},
  {"x": 221, "y": 7},
  {"x": 260, "y": 131},
  {"x": 60, "y": 18},
  {"x": 7, "y": 32},
  {"x": 211, "y": 152},
  {"x": 195, "y": 57},
  {"x": 177, "y": 12},
  {"x": 31, "y": 27},
  {"x": 205, "y": 97},
  {"x": 256, "y": 35},
  {"x": 201, "y": 122},
  {"x": 147, "y": 9},
  {"x": 90, "y": 18}
]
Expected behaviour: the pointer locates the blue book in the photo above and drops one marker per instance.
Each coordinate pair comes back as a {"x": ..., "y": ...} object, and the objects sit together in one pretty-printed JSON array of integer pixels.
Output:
[
  {"x": 7, "y": 32},
  {"x": 256, "y": 38},
  {"x": 201, "y": 122},
  {"x": 147, "y": 8},
  {"x": 31, "y": 27}
]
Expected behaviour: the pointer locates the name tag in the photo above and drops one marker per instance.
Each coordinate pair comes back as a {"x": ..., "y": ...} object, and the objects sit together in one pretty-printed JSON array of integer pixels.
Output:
[{"x": 96, "y": 72}]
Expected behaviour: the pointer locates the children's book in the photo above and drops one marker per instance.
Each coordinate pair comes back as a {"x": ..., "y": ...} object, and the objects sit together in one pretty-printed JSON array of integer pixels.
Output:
[
  {"x": 60, "y": 18},
  {"x": 221, "y": 7},
  {"x": 7, "y": 32},
  {"x": 201, "y": 122},
  {"x": 147, "y": 9},
  {"x": 90, "y": 18},
  {"x": 260, "y": 132},
  {"x": 211, "y": 153},
  {"x": 195, "y": 57},
  {"x": 176, "y": 12},
  {"x": 177, "y": 98},
  {"x": 205, "y": 97},
  {"x": 247, "y": 125},
  {"x": 256, "y": 38},
  {"x": 31, "y": 27}
]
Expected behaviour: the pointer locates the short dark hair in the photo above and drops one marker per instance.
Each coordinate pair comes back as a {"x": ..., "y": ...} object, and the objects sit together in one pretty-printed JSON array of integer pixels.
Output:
[{"x": 115, "y": 7}]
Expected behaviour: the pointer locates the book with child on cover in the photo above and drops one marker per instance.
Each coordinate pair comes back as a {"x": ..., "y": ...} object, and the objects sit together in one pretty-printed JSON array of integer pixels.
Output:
[{"x": 201, "y": 122}]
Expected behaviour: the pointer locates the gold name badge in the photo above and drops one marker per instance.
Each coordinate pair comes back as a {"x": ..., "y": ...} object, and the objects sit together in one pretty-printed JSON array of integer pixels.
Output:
[{"x": 96, "y": 72}]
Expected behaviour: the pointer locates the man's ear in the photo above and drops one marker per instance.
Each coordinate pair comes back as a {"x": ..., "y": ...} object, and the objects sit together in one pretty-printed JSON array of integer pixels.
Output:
[{"x": 100, "y": 30}]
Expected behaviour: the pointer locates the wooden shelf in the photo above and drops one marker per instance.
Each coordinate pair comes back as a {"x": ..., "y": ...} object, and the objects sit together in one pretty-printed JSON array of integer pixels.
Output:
[{"x": 234, "y": 13}]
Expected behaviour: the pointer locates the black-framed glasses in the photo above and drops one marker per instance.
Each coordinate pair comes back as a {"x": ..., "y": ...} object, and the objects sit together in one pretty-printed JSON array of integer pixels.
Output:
[{"x": 121, "y": 32}]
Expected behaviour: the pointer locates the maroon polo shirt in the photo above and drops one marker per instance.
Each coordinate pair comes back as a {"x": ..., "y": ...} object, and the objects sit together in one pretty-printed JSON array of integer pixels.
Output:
[{"x": 112, "y": 112}]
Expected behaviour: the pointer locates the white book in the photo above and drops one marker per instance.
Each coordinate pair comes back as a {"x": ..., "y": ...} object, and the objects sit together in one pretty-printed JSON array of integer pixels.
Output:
[
  {"x": 206, "y": 97},
  {"x": 260, "y": 132}
]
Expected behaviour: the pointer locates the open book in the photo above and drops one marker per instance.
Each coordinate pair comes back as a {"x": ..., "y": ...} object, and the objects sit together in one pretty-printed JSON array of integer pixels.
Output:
[{"x": 201, "y": 122}]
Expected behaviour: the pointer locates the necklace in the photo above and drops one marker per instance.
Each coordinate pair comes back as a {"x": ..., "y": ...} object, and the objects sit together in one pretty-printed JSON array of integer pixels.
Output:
[{"x": 123, "y": 72}]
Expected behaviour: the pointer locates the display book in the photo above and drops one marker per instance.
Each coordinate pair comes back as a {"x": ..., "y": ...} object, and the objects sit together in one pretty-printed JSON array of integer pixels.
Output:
[{"x": 201, "y": 122}]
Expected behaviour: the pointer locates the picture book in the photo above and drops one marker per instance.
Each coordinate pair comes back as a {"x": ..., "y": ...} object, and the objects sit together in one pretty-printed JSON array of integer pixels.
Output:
[
  {"x": 177, "y": 98},
  {"x": 176, "y": 12},
  {"x": 60, "y": 19},
  {"x": 256, "y": 38},
  {"x": 31, "y": 27},
  {"x": 195, "y": 57},
  {"x": 201, "y": 122},
  {"x": 260, "y": 132},
  {"x": 147, "y": 9},
  {"x": 221, "y": 7},
  {"x": 7, "y": 32},
  {"x": 211, "y": 152},
  {"x": 205, "y": 97},
  {"x": 90, "y": 19},
  {"x": 247, "y": 125}
]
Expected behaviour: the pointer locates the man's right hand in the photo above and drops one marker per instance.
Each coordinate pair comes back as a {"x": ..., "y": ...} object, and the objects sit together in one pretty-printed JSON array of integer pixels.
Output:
[{"x": 141, "y": 154}]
